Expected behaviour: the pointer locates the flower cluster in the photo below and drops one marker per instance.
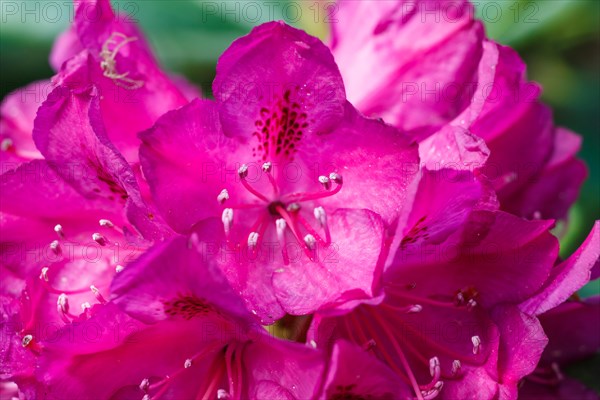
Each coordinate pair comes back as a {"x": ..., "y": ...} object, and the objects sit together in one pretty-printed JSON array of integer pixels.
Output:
[{"x": 325, "y": 228}]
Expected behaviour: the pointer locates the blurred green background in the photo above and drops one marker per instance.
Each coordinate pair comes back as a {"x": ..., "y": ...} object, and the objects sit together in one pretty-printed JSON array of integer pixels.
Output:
[{"x": 559, "y": 40}]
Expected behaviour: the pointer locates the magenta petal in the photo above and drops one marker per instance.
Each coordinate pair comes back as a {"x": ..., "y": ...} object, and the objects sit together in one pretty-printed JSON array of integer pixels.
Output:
[
  {"x": 555, "y": 189},
  {"x": 521, "y": 346},
  {"x": 69, "y": 128},
  {"x": 70, "y": 134},
  {"x": 425, "y": 62},
  {"x": 17, "y": 113},
  {"x": 192, "y": 285},
  {"x": 184, "y": 161},
  {"x": 282, "y": 370},
  {"x": 573, "y": 330},
  {"x": 65, "y": 46},
  {"x": 376, "y": 161},
  {"x": 453, "y": 148},
  {"x": 85, "y": 368},
  {"x": 567, "y": 277},
  {"x": 355, "y": 372},
  {"x": 276, "y": 63},
  {"x": 482, "y": 260},
  {"x": 346, "y": 270},
  {"x": 445, "y": 201}
]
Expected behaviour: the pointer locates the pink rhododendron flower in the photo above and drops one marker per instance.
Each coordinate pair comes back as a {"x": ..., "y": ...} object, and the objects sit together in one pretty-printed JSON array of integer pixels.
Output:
[
  {"x": 449, "y": 323},
  {"x": 391, "y": 270},
  {"x": 303, "y": 184},
  {"x": 435, "y": 68}
]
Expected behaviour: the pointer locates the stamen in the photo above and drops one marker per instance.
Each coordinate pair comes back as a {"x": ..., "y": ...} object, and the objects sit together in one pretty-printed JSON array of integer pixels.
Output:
[
  {"x": 86, "y": 307},
  {"x": 476, "y": 344},
  {"x": 98, "y": 238},
  {"x": 325, "y": 182},
  {"x": 416, "y": 308},
  {"x": 299, "y": 197},
  {"x": 252, "y": 239},
  {"x": 310, "y": 229},
  {"x": 335, "y": 177},
  {"x": 62, "y": 306},
  {"x": 223, "y": 395},
  {"x": 456, "y": 367},
  {"x": 109, "y": 63},
  {"x": 267, "y": 167},
  {"x": 146, "y": 397},
  {"x": 310, "y": 241},
  {"x": 145, "y": 385},
  {"x": 106, "y": 222},
  {"x": 188, "y": 363},
  {"x": 44, "y": 274},
  {"x": 312, "y": 344},
  {"x": 556, "y": 368},
  {"x": 434, "y": 366},
  {"x": 433, "y": 393},
  {"x": 26, "y": 340},
  {"x": 243, "y": 171},
  {"x": 293, "y": 207},
  {"x": 471, "y": 304},
  {"x": 227, "y": 218},
  {"x": 320, "y": 215},
  {"x": 436, "y": 372},
  {"x": 119, "y": 268},
  {"x": 280, "y": 225},
  {"x": 59, "y": 231},
  {"x": 290, "y": 222},
  {"x": 223, "y": 196},
  {"x": 97, "y": 294},
  {"x": 55, "y": 246}
]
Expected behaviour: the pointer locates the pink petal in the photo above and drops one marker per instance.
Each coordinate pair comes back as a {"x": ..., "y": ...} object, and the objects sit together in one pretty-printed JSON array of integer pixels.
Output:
[
  {"x": 150, "y": 292},
  {"x": 354, "y": 371},
  {"x": 17, "y": 113},
  {"x": 346, "y": 270},
  {"x": 559, "y": 181},
  {"x": 376, "y": 161},
  {"x": 425, "y": 53},
  {"x": 567, "y": 277},
  {"x": 277, "y": 369},
  {"x": 65, "y": 46},
  {"x": 184, "y": 159},
  {"x": 522, "y": 343},
  {"x": 273, "y": 65},
  {"x": 445, "y": 201},
  {"x": 482, "y": 259},
  {"x": 573, "y": 330},
  {"x": 453, "y": 148},
  {"x": 70, "y": 134}
]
